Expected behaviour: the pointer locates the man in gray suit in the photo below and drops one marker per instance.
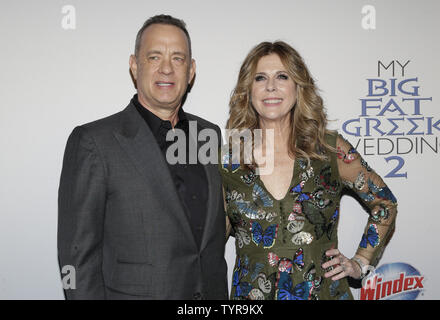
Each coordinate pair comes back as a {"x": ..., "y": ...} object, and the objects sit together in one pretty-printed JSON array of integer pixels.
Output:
[{"x": 132, "y": 225}]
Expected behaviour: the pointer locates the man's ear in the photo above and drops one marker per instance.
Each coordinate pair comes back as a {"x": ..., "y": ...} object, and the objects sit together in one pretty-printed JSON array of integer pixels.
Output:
[
  {"x": 133, "y": 66},
  {"x": 192, "y": 71}
]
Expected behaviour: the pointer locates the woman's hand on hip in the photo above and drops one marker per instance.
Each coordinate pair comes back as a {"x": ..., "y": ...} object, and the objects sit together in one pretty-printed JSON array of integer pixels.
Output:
[{"x": 341, "y": 266}]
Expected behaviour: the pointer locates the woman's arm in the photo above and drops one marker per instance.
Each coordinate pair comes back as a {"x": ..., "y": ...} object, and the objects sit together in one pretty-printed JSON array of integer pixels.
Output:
[
  {"x": 228, "y": 223},
  {"x": 374, "y": 193}
]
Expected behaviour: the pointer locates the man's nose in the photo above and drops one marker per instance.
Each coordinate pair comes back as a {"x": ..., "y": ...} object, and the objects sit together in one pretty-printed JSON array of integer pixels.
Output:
[{"x": 166, "y": 66}]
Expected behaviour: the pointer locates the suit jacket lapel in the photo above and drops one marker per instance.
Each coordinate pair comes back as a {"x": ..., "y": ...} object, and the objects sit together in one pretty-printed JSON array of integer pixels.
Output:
[{"x": 138, "y": 142}]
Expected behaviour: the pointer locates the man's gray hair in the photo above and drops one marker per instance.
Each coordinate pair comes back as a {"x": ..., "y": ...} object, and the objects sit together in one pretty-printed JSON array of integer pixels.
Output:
[{"x": 162, "y": 19}]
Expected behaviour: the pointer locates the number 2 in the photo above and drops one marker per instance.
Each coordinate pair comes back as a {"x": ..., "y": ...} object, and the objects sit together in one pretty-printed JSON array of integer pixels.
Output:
[{"x": 394, "y": 173}]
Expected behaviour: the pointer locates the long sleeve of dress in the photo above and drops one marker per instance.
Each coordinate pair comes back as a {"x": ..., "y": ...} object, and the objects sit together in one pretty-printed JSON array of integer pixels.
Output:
[{"x": 374, "y": 193}]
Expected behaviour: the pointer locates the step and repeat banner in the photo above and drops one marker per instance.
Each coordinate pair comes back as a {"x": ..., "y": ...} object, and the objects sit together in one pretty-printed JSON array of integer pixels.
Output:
[{"x": 65, "y": 63}]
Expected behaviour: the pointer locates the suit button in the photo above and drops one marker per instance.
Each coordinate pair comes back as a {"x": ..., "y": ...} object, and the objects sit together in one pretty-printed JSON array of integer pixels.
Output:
[{"x": 197, "y": 296}]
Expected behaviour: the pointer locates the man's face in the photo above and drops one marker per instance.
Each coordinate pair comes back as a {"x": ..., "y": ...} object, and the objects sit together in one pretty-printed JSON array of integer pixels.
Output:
[{"x": 163, "y": 68}]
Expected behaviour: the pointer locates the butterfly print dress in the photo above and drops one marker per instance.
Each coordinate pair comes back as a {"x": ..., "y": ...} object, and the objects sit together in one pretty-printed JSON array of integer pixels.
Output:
[{"x": 281, "y": 244}]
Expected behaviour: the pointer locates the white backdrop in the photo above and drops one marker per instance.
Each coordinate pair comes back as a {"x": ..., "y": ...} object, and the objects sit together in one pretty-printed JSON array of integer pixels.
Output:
[{"x": 64, "y": 68}]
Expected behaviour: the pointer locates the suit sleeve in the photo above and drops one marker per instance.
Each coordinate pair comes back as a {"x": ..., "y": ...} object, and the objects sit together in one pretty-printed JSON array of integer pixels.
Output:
[
  {"x": 81, "y": 208},
  {"x": 374, "y": 193}
]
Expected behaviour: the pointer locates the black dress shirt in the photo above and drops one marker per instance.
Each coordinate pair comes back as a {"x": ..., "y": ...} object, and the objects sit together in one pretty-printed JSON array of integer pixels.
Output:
[{"x": 190, "y": 179}]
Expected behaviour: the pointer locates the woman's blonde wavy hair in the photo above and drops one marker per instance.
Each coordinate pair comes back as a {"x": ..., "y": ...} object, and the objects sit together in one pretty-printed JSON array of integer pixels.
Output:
[{"x": 308, "y": 117}]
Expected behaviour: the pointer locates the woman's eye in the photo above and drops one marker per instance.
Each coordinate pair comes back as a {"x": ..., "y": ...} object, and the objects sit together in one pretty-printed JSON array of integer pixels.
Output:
[
  {"x": 259, "y": 78},
  {"x": 283, "y": 76}
]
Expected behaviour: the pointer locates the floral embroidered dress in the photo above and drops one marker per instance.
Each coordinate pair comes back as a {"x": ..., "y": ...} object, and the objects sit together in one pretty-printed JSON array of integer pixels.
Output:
[{"x": 281, "y": 244}]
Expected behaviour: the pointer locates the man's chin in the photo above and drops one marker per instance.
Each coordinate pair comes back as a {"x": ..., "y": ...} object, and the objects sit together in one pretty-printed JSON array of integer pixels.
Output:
[
  {"x": 163, "y": 103},
  {"x": 168, "y": 105}
]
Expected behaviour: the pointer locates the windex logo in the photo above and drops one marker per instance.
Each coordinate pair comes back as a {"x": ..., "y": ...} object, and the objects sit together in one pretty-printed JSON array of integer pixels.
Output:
[{"x": 394, "y": 281}]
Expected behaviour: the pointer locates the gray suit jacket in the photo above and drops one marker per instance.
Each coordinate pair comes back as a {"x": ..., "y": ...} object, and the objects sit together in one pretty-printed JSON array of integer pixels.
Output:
[{"x": 121, "y": 224}]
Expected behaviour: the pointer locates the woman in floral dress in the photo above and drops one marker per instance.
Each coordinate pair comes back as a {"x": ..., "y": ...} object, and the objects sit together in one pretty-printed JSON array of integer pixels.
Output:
[{"x": 283, "y": 205}]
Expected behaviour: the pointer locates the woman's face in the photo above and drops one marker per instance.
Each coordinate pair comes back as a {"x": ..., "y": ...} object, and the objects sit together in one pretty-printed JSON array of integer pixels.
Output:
[{"x": 273, "y": 91}]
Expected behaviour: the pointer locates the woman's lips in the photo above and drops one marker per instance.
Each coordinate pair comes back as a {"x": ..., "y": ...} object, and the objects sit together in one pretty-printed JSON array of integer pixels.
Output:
[{"x": 272, "y": 102}]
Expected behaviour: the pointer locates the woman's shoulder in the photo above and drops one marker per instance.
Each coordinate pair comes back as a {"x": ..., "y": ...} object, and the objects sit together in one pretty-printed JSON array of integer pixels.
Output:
[
  {"x": 231, "y": 170},
  {"x": 331, "y": 137},
  {"x": 337, "y": 141}
]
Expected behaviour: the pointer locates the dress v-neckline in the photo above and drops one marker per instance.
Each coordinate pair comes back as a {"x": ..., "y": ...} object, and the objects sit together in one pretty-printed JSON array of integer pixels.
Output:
[{"x": 292, "y": 183}]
